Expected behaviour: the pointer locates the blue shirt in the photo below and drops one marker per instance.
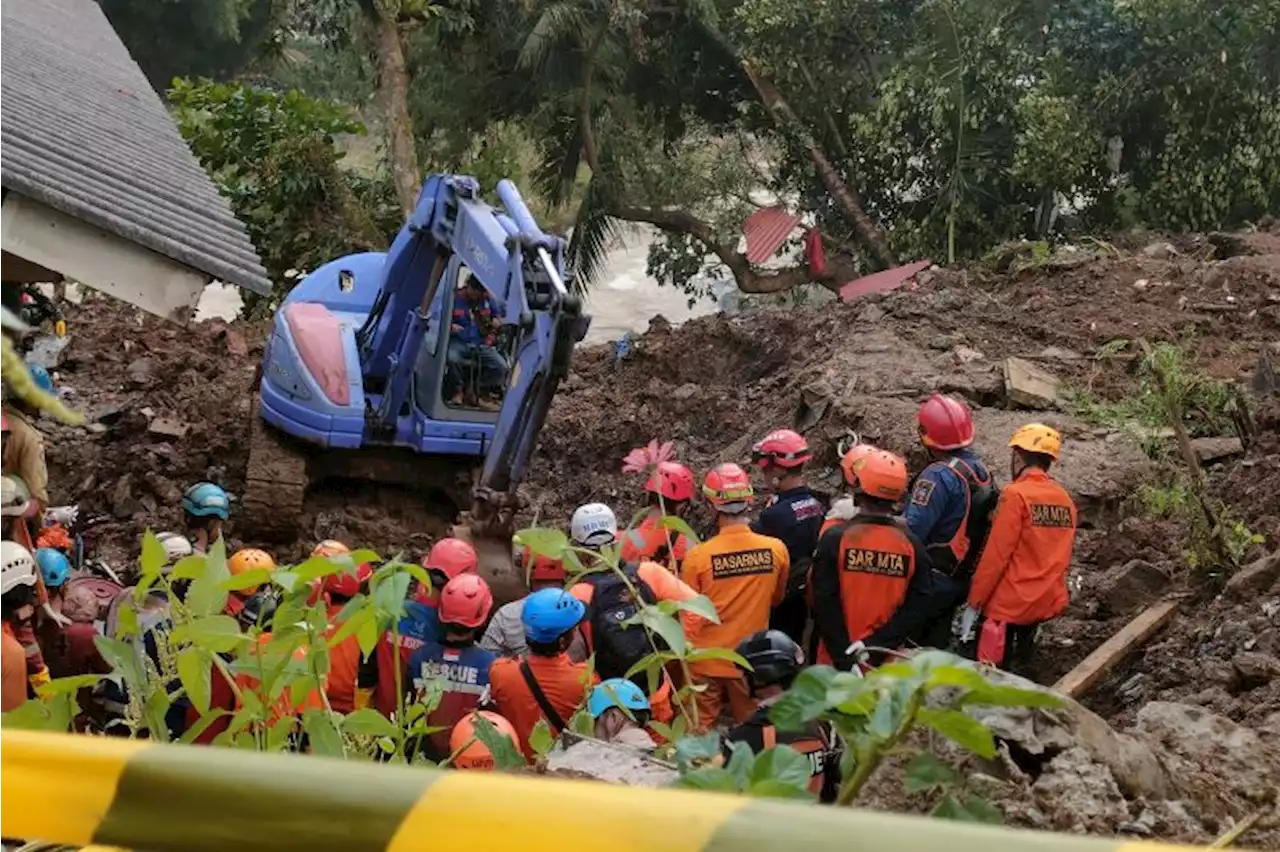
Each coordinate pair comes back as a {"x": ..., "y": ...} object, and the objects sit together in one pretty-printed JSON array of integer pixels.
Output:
[
  {"x": 463, "y": 675},
  {"x": 476, "y": 319},
  {"x": 937, "y": 505},
  {"x": 419, "y": 624},
  {"x": 795, "y": 517}
]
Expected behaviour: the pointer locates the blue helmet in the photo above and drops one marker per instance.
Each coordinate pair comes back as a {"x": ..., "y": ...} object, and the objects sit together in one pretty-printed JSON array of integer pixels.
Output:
[
  {"x": 549, "y": 614},
  {"x": 206, "y": 500},
  {"x": 41, "y": 377},
  {"x": 54, "y": 566},
  {"x": 616, "y": 692}
]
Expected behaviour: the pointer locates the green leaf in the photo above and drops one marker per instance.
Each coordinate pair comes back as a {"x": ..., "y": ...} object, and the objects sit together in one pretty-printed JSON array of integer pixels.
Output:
[
  {"x": 250, "y": 578},
  {"x": 188, "y": 567},
  {"x": 368, "y": 635},
  {"x": 195, "y": 672},
  {"x": 700, "y": 654},
  {"x": 389, "y": 595},
  {"x": 681, "y": 526},
  {"x": 772, "y": 788},
  {"x": 322, "y": 566},
  {"x": 286, "y": 580},
  {"x": 68, "y": 685},
  {"x": 805, "y": 701},
  {"x": 152, "y": 560},
  {"x": 669, "y": 628},
  {"x": 991, "y": 695},
  {"x": 582, "y": 723},
  {"x": 543, "y": 542},
  {"x": 206, "y": 595},
  {"x": 714, "y": 778},
  {"x": 123, "y": 659},
  {"x": 127, "y": 620},
  {"x": 506, "y": 754},
  {"x": 925, "y": 772},
  {"x": 202, "y": 724},
  {"x": 369, "y": 722},
  {"x": 154, "y": 710},
  {"x": 783, "y": 764},
  {"x": 695, "y": 748},
  {"x": 972, "y": 809},
  {"x": 961, "y": 728},
  {"x": 219, "y": 634},
  {"x": 541, "y": 739},
  {"x": 322, "y": 731},
  {"x": 741, "y": 760},
  {"x": 701, "y": 605},
  {"x": 350, "y": 625}
]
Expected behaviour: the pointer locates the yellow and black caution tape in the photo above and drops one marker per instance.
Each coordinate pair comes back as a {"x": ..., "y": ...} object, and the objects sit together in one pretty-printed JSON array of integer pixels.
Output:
[{"x": 81, "y": 790}]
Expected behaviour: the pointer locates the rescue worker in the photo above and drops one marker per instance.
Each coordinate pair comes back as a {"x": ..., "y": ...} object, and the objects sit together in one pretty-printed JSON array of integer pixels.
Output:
[
  {"x": 744, "y": 574},
  {"x": 670, "y": 491},
  {"x": 377, "y": 680},
  {"x": 205, "y": 508},
  {"x": 950, "y": 509},
  {"x": 242, "y": 562},
  {"x": 871, "y": 578},
  {"x": 467, "y": 750},
  {"x": 454, "y": 663},
  {"x": 546, "y": 684},
  {"x": 23, "y": 452},
  {"x": 17, "y": 607},
  {"x": 344, "y": 658},
  {"x": 593, "y": 526},
  {"x": 505, "y": 634},
  {"x": 793, "y": 515},
  {"x": 1021, "y": 579},
  {"x": 621, "y": 712},
  {"x": 775, "y": 660},
  {"x": 69, "y": 644}
]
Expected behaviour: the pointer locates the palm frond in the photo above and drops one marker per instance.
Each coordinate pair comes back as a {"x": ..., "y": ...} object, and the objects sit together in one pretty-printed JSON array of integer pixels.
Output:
[
  {"x": 557, "y": 22},
  {"x": 557, "y": 168},
  {"x": 595, "y": 232}
]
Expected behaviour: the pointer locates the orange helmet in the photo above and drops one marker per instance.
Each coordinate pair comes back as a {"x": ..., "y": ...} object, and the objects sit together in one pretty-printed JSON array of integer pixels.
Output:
[
  {"x": 880, "y": 474},
  {"x": 782, "y": 447},
  {"x": 465, "y": 601},
  {"x": 246, "y": 560},
  {"x": 672, "y": 480},
  {"x": 849, "y": 461},
  {"x": 728, "y": 488},
  {"x": 542, "y": 568},
  {"x": 945, "y": 423},
  {"x": 330, "y": 547},
  {"x": 1038, "y": 438},
  {"x": 477, "y": 755}
]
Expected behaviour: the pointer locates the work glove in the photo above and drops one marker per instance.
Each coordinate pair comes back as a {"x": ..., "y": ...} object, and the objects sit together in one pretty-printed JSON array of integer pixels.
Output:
[
  {"x": 968, "y": 621},
  {"x": 58, "y": 618},
  {"x": 65, "y": 515},
  {"x": 39, "y": 679},
  {"x": 60, "y": 328},
  {"x": 859, "y": 657},
  {"x": 363, "y": 697}
]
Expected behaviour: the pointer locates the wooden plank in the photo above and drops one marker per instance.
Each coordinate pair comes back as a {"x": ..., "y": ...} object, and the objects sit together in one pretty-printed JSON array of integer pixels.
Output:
[{"x": 1080, "y": 679}]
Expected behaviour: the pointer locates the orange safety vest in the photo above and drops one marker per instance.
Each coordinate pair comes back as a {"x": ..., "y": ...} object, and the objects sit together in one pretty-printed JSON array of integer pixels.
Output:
[{"x": 875, "y": 562}]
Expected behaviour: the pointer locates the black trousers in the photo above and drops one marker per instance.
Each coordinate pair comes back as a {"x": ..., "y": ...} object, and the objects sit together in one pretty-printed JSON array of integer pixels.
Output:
[
  {"x": 1019, "y": 647},
  {"x": 791, "y": 616},
  {"x": 947, "y": 594}
]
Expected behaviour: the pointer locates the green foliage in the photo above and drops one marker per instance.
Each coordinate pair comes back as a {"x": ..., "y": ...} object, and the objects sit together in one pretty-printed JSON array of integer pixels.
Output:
[{"x": 274, "y": 156}]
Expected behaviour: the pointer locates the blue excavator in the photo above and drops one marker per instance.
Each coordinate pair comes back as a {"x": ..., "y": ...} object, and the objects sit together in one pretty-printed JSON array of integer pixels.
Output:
[{"x": 366, "y": 374}]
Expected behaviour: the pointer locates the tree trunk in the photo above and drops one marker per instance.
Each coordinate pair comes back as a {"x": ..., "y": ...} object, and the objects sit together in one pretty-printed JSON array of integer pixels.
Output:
[{"x": 393, "y": 88}]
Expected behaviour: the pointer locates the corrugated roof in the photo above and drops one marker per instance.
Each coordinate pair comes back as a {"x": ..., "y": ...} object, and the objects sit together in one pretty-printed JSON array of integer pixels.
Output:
[
  {"x": 84, "y": 133},
  {"x": 766, "y": 230}
]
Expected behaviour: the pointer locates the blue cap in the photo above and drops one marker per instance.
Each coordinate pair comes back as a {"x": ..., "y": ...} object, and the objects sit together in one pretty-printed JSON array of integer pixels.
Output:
[
  {"x": 616, "y": 692},
  {"x": 54, "y": 566},
  {"x": 548, "y": 614}
]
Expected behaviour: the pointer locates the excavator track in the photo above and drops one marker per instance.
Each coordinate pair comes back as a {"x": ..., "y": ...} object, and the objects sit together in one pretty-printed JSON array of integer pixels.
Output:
[{"x": 276, "y": 484}]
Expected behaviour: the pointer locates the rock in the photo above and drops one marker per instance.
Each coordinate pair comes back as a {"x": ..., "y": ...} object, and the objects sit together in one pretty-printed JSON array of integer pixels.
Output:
[
  {"x": 1213, "y": 449},
  {"x": 1160, "y": 251},
  {"x": 168, "y": 493},
  {"x": 236, "y": 344},
  {"x": 1195, "y": 742},
  {"x": 966, "y": 355},
  {"x": 1125, "y": 588},
  {"x": 139, "y": 372},
  {"x": 95, "y": 428},
  {"x": 686, "y": 391},
  {"x": 1255, "y": 668},
  {"x": 1254, "y": 578},
  {"x": 1058, "y": 353},
  {"x": 872, "y": 314},
  {"x": 1029, "y": 386},
  {"x": 108, "y": 413},
  {"x": 123, "y": 503},
  {"x": 168, "y": 427},
  {"x": 1079, "y": 794},
  {"x": 603, "y": 761}
]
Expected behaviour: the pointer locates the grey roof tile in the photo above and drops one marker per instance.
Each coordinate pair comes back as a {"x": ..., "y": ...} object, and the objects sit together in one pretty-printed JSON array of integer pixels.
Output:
[{"x": 82, "y": 131}]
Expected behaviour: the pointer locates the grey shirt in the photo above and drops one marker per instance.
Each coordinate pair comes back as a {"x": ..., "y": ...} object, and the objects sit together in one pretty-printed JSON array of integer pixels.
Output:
[{"x": 505, "y": 634}]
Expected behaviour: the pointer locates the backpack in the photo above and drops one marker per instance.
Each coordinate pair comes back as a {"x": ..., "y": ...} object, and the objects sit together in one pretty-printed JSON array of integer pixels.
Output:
[
  {"x": 984, "y": 494},
  {"x": 619, "y": 646}
]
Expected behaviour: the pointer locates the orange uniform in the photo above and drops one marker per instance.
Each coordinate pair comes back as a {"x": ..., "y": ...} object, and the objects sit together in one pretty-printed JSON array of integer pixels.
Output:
[
  {"x": 653, "y": 542},
  {"x": 564, "y": 683},
  {"x": 1022, "y": 575},
  {"x": 745, "y": 576},
  {"x": 864, "y": 574},
  {"x": 344, "y": 665},
  {"x": 13, "y": 679},
  {"x": 283, "y": 706}
]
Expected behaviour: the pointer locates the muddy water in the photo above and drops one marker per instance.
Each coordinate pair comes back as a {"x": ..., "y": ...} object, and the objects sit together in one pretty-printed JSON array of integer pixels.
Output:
[{"x": 625, "y": 299}]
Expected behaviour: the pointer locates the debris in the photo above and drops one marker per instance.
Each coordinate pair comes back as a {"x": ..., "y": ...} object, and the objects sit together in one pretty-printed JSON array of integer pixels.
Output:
[
  {"x": 1058, "y": 353},
  {"x": 1126, "y": 587},
  {"x": 168, "y": 427},
  {"x": 147, "y": 412},
  {"x": 1255, "y": 668},
  {"x": 966, "y": 355},
  {"x": 139, "y": 372},
  {"x": 1160, "y": 251},
  {"x": 1029, "y": 386},
  {"x": 163, "y": 488},
  {"x": 1264, "y": 377},
  {"x": 236, "y": 344},
  {"x": 1255, "y": 577},
  {"x": 108, "y": 413},
  {"x": 1141, "y": 284},
  {"x": 871, "y": 314},
  {"x": 815, "y": 399},
  {"x": 1213, "y": 449},
  {"x": 686, "y": 391},
  {"x": 619, "y": 764},
  {"x": 123, "y": 503},
  {"x": 1078, "y": 681},
  {"x": 95, "y": 428}
]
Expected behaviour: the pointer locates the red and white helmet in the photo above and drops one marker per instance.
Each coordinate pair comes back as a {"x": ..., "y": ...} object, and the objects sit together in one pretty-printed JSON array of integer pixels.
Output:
[
  {"x": 672, "y": 481},
  {"x": 945, "y": 423},
  {"x": 728, "y": 488},
  {"x": 782, "y": 447}
]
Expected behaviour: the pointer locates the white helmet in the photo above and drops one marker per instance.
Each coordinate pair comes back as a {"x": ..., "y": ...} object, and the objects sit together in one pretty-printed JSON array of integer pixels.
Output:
[
  {"x": 17, "y": 567},
  {"x": 593, "y": 525},
  {"x": 15, "y": 499},
  {"x": 176, "y": 546}
]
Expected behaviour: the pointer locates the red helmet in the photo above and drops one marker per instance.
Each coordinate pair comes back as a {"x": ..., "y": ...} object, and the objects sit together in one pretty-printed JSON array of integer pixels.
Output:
[
  {"x": 346, "y": 584},
  {"x": 543, "y": 568},
  {"x": 452, "y": 557},
  {"x": 728, "y": 488},
  {"x": 945, "y": 423},
  {"x": 782, "y": 447},
  {"x": 465, "y": 601},
  {"x": 672, "y": 480}
]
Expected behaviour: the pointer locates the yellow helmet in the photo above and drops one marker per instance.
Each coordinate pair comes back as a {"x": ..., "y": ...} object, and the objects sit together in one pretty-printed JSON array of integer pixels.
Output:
[
  {"x": 248, "y": 559},
  {"x": 1038, "y": 438}
]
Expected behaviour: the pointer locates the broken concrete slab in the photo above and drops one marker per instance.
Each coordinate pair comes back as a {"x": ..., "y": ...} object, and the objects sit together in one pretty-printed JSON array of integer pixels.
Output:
[
  {"x": 1210, "y": 450},
  {"x": 168, "y": 427},
  {"x": 1029, "y": 386},
  {"x": 1255, "y": 668},
  {"x": 1125, "y": 588},
  {"x": 966, "y": 355},
  {"x": 602, "y": 761}
]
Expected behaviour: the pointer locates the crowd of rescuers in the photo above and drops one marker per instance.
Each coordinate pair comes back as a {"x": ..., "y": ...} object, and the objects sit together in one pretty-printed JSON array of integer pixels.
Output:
[{"x": 947, "y": 561}]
